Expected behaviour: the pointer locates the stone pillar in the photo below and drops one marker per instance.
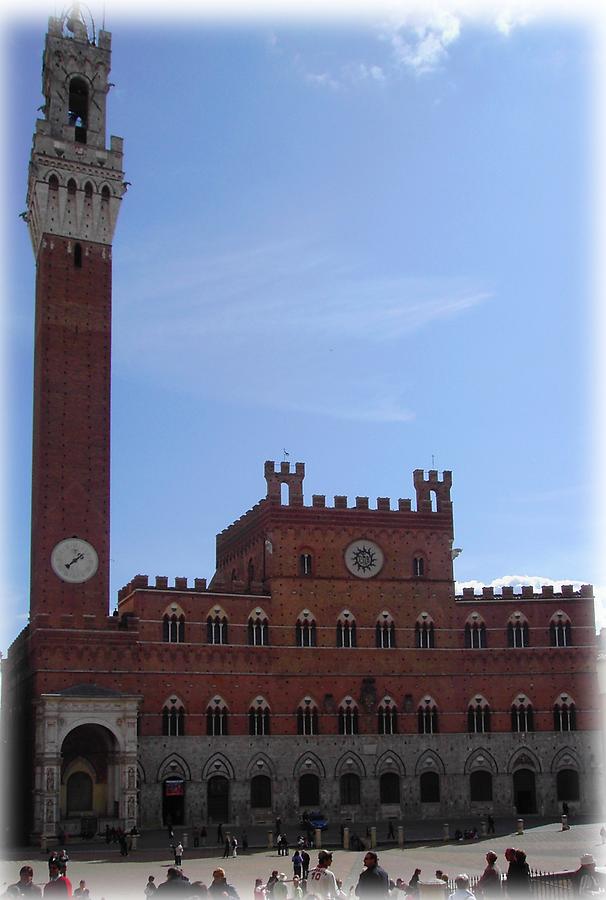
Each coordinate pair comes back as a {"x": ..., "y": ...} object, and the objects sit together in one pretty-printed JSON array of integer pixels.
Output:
[
  {"x": 318, "y": 838},
  {"x": 520, "y": 826},
  {"x": 400, "y": 835},
  {"x": 446, "y": 831},
  {"x": 270, "y": 840},
  {"x": 346, "y": 838},
  {"x": 373, "y": 836},
  {"x": 484, "y": 828}
]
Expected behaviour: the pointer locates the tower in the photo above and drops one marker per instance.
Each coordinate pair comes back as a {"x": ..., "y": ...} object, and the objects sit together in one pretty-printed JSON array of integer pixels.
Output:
[{"x": 74, "y": 193}]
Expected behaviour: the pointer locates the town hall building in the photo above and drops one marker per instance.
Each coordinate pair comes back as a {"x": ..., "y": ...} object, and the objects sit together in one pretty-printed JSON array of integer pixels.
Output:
[{"x": 327, "y": 664}]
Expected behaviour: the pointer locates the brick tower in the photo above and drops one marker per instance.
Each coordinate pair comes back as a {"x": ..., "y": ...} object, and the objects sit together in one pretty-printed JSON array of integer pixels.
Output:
[{"x": 74, "y": 194}]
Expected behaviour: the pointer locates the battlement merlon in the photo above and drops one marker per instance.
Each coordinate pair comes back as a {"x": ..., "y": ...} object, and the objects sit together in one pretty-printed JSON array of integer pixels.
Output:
[
  {"x": 292, "y": 479},
  {"x": 425, "y": 487}
]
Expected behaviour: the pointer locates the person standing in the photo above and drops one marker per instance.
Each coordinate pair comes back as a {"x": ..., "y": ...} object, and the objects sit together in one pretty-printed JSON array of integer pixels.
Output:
[
  {"x": 196, "y": 835},
  {"x": 220, "y": 837},
  {"x": 220, "y": 886},
  {"x": 25, "y": 887},
  {"x": 58, "y": 884},
  {"x": 234, "y": 846},
  {"x": 322, "y": 881},
  {"x": 174, "y": 884},
  {"x": 82, "y": 890},
  {"x": 305, "y": 864},
  {"x": 297, "y": 863},
  {"x": 490, "y": 882},
  {"x": 150, "y": 888},
  {"x": 178, "y": 854},
  {"x": 373, "y": 880},
  {"x": 462, "y": 891},
  {"x": 226, "y": 847},
  {"x": 490, "y": 825}
]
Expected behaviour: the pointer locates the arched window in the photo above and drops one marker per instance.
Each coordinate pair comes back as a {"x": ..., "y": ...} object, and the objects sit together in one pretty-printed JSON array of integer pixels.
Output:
[
  {"x": 429, "y": 784},
  {"x": 387, "y": 717},
  {"x": 258, "y": 629},
  {"x": 348, "y": 717},
  {"x": 427, "y": 716},
  {"x": 424, "y": 632},
  {"x": 418, "y": 566},
  {"x": 309, "y": 790},
  {"x": 385, "y": 631},
  {"x": 260, "y": 792},
  {"x": 567, "y": 785},
  {"x": 349, "y": 785},
  {"x": 78, "y": 256},
  {"x": 517, "y": 631},
  {"x": 478, "y": 716},
  {"x": 105, "y": 193},
  {"x": 173, "y": 627},
  {"x": 346, "y": 630},
  {"x": 564, "y": 714},
  {"x": 71, "y": 187},
  {"x": 258, "y": 718},
  {"x": 480, "y": 787},
  {"x": 53, "y": 183},
  {"x": 389, "y": 787},
  {"x": 78, "y": 108},
  {"x": 307, "y": 717},
  {"x": 521, "y": 714},
  {"x": 173, "y": 718},
  {"x": 305, "y": 630},
  {"x": 560, "y": 630},
  {"x": 216, "y": 627},
  {"x": 88, "y": 190},
  {"x": 475, "y": 632},
  {"x": 305, "y": 564},
  {"x": 216, "y": 717}
]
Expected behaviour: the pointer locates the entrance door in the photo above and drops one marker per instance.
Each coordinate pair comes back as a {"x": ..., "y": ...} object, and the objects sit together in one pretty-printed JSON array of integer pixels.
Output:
[
  {"x": 524, "y": 795},
  {"x": 218, "y": 799},
  {"x": 173, "y": 801}
]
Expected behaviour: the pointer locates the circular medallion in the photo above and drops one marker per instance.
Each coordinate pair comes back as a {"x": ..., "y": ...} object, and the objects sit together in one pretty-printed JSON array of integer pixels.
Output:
[
  {"x": 364, "y": 558},
  {"x": 74, "y": 560}
]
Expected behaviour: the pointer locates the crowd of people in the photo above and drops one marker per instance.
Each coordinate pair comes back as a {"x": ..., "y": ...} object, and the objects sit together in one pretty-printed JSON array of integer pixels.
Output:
[{"x": 320, "y": 882}]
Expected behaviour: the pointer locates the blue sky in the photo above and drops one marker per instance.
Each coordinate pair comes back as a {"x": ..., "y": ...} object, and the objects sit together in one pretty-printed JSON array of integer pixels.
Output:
[{"x": 367, "y": 242}]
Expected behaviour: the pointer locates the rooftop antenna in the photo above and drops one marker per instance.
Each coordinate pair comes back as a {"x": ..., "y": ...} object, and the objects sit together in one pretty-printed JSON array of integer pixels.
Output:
[
  {"x": 286, "y": 455},
  {"x": 433, "y": 461}
]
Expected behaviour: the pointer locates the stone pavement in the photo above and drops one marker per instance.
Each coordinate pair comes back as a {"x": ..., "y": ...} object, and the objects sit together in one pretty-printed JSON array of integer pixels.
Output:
[{"x": 111, "y": 877}]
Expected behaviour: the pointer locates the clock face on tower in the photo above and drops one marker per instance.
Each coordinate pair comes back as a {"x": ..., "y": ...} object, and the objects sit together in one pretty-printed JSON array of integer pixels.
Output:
[
  {"x": 364, "y": 558},
  {"x": 74, "y": 560}
]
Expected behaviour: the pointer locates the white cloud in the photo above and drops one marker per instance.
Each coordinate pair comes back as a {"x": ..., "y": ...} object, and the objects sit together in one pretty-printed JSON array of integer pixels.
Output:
[
  {"x": 422, "y": 46},
  {"x": 507, "y": 19},
  {"x": 537, "y": 581}
]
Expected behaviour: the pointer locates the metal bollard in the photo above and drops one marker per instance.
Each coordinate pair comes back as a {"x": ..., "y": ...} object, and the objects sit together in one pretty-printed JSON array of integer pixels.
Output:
[
  {"x": 520, "y": 826},
  {"x": 346, "y": 838}
]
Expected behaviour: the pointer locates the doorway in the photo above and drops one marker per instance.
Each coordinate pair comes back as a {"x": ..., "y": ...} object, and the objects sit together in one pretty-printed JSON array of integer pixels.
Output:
[
  {"x": 173, "y": 801},
  {"x": 218, "y": 799},
  {"x": 524, "y": 793}
]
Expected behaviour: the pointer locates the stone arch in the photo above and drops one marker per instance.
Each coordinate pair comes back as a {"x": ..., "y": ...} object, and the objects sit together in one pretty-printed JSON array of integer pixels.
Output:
[
  {"x": 566, "y": 758},
  {"x": 260, "y": 764},
  {"x": 141, "y": 775},
  {"x": 218, "y": 764},
  {"x": 108, "y": 724},
  {"x": 309, "y": 764},
  {"x": 480, "y": 758},
  {"x": 389, "y": 762},
  {"x": 173, "y": 764},
  {"x": 429, "y": 761},
  {"x": 345, "y": 767},
  {"x": 89, "y": 752},
  {"x": 524, "y": 758}
]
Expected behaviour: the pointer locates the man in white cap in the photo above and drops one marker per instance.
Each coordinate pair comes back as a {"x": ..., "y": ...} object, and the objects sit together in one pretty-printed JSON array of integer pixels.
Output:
[
  {"x": 322, "y": 881},
  {"x": 586, "y": 880}
]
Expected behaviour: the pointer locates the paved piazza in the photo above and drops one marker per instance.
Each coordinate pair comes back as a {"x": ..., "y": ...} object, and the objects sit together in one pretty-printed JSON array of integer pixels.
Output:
[{"x": 109, "y": 876}]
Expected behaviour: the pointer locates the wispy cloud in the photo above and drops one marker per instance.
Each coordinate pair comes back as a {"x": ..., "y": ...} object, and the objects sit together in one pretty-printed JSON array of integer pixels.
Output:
[
  {"x": 422, "y": 45},
  {"x": 286, "y": 313}
]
